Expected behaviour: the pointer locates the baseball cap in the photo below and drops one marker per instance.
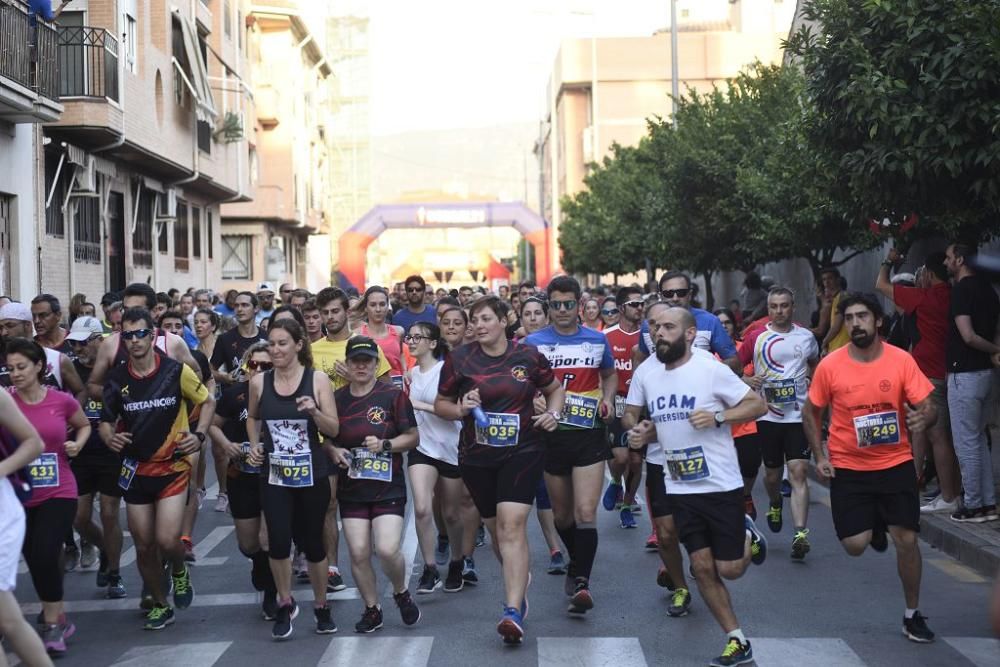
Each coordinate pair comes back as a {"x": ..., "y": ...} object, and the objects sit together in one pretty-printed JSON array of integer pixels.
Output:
[
  {"x": 84, "y": 327},
  {"x": 361, "y": 346},
  {"x": 265, "y": 287},
  {"x": 15, "y": 311}
]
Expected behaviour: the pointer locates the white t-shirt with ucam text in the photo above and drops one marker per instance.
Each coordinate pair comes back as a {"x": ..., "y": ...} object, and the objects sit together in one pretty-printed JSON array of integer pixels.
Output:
[{"x": 694, "y": 460}]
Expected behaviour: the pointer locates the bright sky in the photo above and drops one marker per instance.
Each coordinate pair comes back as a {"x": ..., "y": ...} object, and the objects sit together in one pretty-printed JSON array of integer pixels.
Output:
[{"x": 440, "y": 64}]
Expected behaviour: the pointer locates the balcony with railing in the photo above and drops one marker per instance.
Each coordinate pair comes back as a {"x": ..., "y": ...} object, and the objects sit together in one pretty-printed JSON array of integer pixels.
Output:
[
  {"x": 29, "y": 67},
  {"x": 88, "y": 63}
]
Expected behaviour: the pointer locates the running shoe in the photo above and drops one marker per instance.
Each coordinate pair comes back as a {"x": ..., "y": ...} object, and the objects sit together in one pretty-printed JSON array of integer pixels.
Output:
[
  {"x": 990, "y": 513},
  {"x": 915, "y": 629},
  {"x": 626, "y": 518},
  {"x": 582, "y": 601},
  {"x": 481, "y": 536},
  {"x": 441, "y": 553},
  {"x": 557, "y": 563},
  {"x": 408, "y": 610},
  {"x": 664, "y": 580},
  {"x": 88, "y": 555},
  {"x": 282, "y": 628},
  {"x": 183, "y": 589},
  {"x": 324, "y": 620},
  {"x": 430, "y": 580},
  {"x": 189, "y": 556},
  {"x": 469, "y": 574},
  {"x": 786, "y": 488},
  {"x": 758, "y": 544},
  {"x": 269, "y": 606},
  {"x": 334, "y": 581},
  {"x": 635, "y": 508},
  {"x": 54, "y": 636},
  {"x": 159, "y": 617},
  {"x": 879, "y": 541},
  {"x": 735, "y": 653},
  {"x": 371, "y": 620},
  {"x": 301, "y": 568},
  {"x": 454, "y": 582},
  {"x": 749, "y": 507},
  {"x": 569, "y": 583},
  {"x": 116, "y": 588},
  {"x": 71, "y": 557},
  {"x": 680, "y": 603},
  {"x": 200, "y": 496},
  {"x": 222, "y": 502},
  {"x": 612, "y": 496},
  {"x": 510, "y": 626},
  {"x": 652, "y": 542},
  {"x": 102, "y": 571},
  {"x": 800, "y": 544},
  {"x": 939, "y": 504},
  {"x": 774, "y": 517}
]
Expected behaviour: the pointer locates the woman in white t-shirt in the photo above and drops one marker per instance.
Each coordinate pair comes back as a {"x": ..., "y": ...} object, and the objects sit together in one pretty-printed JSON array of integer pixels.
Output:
[{"x": 435, "y": 460}]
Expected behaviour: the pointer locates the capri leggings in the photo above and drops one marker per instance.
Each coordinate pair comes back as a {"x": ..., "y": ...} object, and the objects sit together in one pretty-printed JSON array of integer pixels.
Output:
[
  {"x": 300, "y": 512},
  {"x": 45, "y": 530}
]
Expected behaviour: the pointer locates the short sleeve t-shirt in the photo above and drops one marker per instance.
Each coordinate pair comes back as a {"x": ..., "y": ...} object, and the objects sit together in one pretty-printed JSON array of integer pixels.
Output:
[
  {"x": 972, "y": 296},
  {"x": 95, "y": 452},
  {"x": 232, "y": 407},
  {"x": 711, "y": 336},
  {"x": 621, "y": 343},
  {"x": 782, "y": 360},
  {"x": 694, "y": 460},
  {"x": 230, "y": 348},
  {"x": 842, "y": 337},
  {"x": 438, "y": 437},
  {"x": 385, "y": 412},
  {"x": 931, "y": 306},
  {"x": 868, "y": 406},
  {"x": 50, "y": 417},
  {"x": 507, "y": 385},
  {"x": 326, "y": 353},
  {"x": 406, "y": 318}
]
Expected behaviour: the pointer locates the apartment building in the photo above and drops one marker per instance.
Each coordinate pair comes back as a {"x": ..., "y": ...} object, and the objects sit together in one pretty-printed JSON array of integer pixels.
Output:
[
  {"x": 28, "y": 97},
  {"x": 152, "y": 140},
  {"x": 268, "y": 239}
]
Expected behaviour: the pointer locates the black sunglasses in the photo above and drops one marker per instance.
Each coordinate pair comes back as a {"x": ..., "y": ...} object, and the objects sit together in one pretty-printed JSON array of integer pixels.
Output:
[
  {"x": 137, "y": 333},
  {"x": 255, "y": 365},
  {"x": 613, "y": 311},
  {"x": 671, "y": 293},
  {"x": 633, "y": 304}
]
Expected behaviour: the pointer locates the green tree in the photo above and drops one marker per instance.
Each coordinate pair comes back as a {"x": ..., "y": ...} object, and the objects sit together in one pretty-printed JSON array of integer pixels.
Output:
[{"x": 907, "y": 94}]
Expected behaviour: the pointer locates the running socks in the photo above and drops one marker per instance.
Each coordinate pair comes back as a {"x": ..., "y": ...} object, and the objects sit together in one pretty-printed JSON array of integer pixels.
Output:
[
  {"x": 568, "y": 536},
  {"x": 738, "y": 634},
  {"x": 585, "y": 542}
]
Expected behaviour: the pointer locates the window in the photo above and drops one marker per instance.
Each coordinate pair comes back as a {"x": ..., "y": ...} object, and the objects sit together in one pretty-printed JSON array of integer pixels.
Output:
[
  {"x": 181, "y": 253},
  {"x": 236, "y": 257},
  {"x": 227, "y": 19},
  {"x": 54, "y": 223},
  {"x": 211, "y": 241},
  {"x": 87, "y": 230},
  {"x": 161, "y": 239},
  {"x": 196, "y": 232},
  {"x": 240, "y": 27},
  {"x": 130, "y": 30},
  {"x": 180, "y": 53},
  {"x": 204, "y": 136},
  {"x": 142, "y": 237},
  {"x": 254, "y": 166}
]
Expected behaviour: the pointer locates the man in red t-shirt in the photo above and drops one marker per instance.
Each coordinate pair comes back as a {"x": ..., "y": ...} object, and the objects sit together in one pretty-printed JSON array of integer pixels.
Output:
[
  {"x": 929, "y": 301},
  {"x": 875, "y": 393}
]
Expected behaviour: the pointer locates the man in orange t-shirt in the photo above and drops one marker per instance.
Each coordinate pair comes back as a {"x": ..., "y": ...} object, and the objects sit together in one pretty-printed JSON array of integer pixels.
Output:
[{"x": 875, "y": 392}]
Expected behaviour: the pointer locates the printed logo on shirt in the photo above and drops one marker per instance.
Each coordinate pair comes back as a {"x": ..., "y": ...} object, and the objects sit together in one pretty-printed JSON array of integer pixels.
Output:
[
  {"x": 885, "y": 386},
  {"x": 376, "y": 415},
  {"x": 124, "y": 390},
  {"x": 671, "y": 408},
  {"x": 519, "y": 373}
]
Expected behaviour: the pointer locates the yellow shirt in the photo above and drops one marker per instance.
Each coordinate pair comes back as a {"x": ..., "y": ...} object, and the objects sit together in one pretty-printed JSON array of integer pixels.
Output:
[
  {"x": 327, "y": 353},
  {"x": 842, "y": 337}
]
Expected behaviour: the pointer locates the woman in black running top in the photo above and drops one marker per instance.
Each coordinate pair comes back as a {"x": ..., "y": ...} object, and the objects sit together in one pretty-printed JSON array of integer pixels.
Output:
[{"x": 287, "y": 409}]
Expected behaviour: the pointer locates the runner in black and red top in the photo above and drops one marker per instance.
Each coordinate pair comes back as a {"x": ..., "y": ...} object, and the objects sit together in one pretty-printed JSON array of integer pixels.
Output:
[
  {"x": 376, "y": 425},
  {"x": 502, "y": 457}
]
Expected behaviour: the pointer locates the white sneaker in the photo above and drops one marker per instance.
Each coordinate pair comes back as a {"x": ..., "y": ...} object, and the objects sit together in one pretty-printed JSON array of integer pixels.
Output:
[
  {"x": 222, "y": 503},
  {"x": 939, "y": 504}
]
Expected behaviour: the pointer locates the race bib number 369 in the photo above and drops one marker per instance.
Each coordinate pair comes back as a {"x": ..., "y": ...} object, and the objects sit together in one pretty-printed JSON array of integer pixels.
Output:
[
  {"x": 879, "y": 429},
  {"x": 780, "y": 392}
]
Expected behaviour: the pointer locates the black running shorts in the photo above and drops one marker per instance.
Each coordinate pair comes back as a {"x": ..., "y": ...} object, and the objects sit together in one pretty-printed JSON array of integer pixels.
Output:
[
  {"x": 711, "y": 521},
  {"x": 861, "y": 498}
]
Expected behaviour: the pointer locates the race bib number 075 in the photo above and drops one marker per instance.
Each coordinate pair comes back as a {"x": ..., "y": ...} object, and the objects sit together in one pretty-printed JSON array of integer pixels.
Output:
[{"x": 291, "y": 470}]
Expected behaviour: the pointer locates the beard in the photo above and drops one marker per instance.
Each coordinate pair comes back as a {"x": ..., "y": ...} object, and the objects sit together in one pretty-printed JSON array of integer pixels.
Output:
[
  {"x": 668, "y": 353},
  {"x": 862, "y": 339}
]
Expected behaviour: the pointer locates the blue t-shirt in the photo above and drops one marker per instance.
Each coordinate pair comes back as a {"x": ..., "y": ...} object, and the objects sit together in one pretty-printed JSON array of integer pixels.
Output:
[
  {"x": 406, "y": 318},
  {"x": 42, "y": 8},
  {"x": 224, "y": 310},
  {"x": 711, "y": 335}
]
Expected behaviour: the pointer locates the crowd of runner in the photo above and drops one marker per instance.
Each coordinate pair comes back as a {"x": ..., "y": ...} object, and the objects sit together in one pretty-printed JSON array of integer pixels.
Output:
[{"x": 478, "y": 406}]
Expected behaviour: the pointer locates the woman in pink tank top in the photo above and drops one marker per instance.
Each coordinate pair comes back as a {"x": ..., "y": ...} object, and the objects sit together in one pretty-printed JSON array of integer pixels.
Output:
[{"x": 374, "y": 305}]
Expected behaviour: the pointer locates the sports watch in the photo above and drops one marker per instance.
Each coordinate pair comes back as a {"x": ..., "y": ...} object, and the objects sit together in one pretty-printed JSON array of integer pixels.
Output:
[{"x": 719, "y": 419}]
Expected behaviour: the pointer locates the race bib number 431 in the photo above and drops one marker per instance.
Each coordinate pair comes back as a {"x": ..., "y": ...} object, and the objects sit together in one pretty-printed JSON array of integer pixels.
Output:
[
  {"x": 291, "y": 470},
  {"x": 44, "y": 471},
  {"x": 881, "y": 428}
]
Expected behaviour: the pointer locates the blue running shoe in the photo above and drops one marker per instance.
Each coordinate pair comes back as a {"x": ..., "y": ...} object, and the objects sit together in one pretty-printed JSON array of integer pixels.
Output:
[
  {"x": 612, "y": 496},
  {"x": 786, "y": 488},
  {"x": 627, "y": 520},
  {"x": 758, "y": 544},
  {"x": 509, "y": 626}
]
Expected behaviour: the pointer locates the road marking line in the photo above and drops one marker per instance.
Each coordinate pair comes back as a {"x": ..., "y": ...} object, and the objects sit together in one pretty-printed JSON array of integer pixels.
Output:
[
  {"x": 956, "y": 570},
  {"x": 980, "y": 651},
  {"x": 409, "y": 651},
  {"x": 195, "y": 654},
  {"x": 793, "y": 652},
  {"x": 209, "y": 542},
  {"x": 590, "y": 651}
]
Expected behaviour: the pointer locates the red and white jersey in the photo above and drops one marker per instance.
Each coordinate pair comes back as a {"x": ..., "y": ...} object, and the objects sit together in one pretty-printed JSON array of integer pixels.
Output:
[{"x": 621, "y": 343}]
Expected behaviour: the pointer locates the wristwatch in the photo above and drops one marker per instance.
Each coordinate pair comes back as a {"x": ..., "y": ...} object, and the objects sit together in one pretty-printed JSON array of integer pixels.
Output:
[
  {"x": 386, "y": 446},
  {"x": 556, "y": 415},
  {"x": 719, "y": 419},
  {"x": 200, "y": 436}
]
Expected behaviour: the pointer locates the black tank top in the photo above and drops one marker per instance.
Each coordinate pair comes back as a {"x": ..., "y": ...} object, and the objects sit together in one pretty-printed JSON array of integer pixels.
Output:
[{"x": 286, "y": 429}]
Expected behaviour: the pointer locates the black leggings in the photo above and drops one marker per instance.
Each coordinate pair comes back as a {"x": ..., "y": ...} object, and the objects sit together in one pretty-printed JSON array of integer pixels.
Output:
[
  {"x": 300, "y": 512},
  {"x": 44, "y": 534}
]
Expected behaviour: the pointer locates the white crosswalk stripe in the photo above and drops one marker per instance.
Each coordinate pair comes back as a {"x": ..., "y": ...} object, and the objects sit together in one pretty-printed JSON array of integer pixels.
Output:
[
  {"x": 980, "y": 651},
  {"x": 349, "y": 651},
  {"x": 201, "y": 654},
  {"x": 792, "y": 652},
  {"x": 590, "y": 652},
  {"x": 209, "y": 542}
]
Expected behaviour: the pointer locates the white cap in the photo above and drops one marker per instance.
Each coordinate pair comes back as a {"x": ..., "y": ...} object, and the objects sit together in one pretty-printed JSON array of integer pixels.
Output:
[
  {"x": 84, "y": 327},
  {"x": 15, "y": 311},
  {"x": 265, "y": 287}
]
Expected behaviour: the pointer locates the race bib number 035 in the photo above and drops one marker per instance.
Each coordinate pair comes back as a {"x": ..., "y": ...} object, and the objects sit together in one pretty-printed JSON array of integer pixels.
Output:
[
  {"x": 687, "y": 465},
  {"x": 44, "y": 471},
  {"x": 780, "y": 392},
  {"x": 291, "y": 470},
  {"x": 502, "y": 430},
  {"x": 881, "y": 428},
  {"x": 579, "y": 411},
  {"x": 376, "y": 467}
]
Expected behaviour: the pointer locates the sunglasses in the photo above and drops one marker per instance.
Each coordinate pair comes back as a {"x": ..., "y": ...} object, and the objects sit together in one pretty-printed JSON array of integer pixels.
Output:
[
  {"x": 81, "y": 343},
  {"x": 568, "y": 304},
  {"x": 259, "y": 365},
  {"x": 414, "y": 338},
  {"x": 613, "y": 311},
  {"x": 414, "y": 289},
  {"x": 671, "y": 293},
  {"x": 138, "y": 333},
  {"x": 633, "y": 304}
]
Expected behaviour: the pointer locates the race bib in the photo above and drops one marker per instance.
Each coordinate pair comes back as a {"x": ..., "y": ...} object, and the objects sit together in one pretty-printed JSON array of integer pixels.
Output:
[
  {"x": 397, "y": 381},
  {"x": 579, "y": 410},
  {"x": 44, "y": 471},
  {"x": 686, "y": 465},
  {"x": 780, "y": 392},
  {"x": 291, "y": 470},
  {"x": 242, "y": 464},
  {"x": 502, "y": 430},
  {"x": 127, "y": 473},
  {"x": 290, "y": 436},
  {"x": 881, "y": 428},
  {"x": 92, "y": 409},
  {"x": 619, "y": 406},
  {"x": 373, "y": 466}
]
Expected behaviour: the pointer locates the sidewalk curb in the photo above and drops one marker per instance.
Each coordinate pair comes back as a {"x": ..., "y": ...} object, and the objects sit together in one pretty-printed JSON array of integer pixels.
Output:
[{"x": 955, "y": 539}]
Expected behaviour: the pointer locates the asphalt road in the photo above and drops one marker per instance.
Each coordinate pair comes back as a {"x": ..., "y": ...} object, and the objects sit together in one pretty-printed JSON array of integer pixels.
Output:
[{"x": 830, "y": 610}]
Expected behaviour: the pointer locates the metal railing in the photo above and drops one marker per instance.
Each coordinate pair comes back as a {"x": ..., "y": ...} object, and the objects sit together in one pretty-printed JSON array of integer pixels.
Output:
[
  {"x": 88, "y": 63},
  {"x": 28, "y": 54}
]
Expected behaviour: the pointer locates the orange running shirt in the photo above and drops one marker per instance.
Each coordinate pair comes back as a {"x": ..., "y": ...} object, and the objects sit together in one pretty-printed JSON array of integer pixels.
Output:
[{"x": 868, "y": 406}]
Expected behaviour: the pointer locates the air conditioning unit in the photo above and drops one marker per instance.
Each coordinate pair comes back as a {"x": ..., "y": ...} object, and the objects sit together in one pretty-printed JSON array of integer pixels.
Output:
[
  {"x": 166, "y": 204},
  {"x": 85, "y": 178}
]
